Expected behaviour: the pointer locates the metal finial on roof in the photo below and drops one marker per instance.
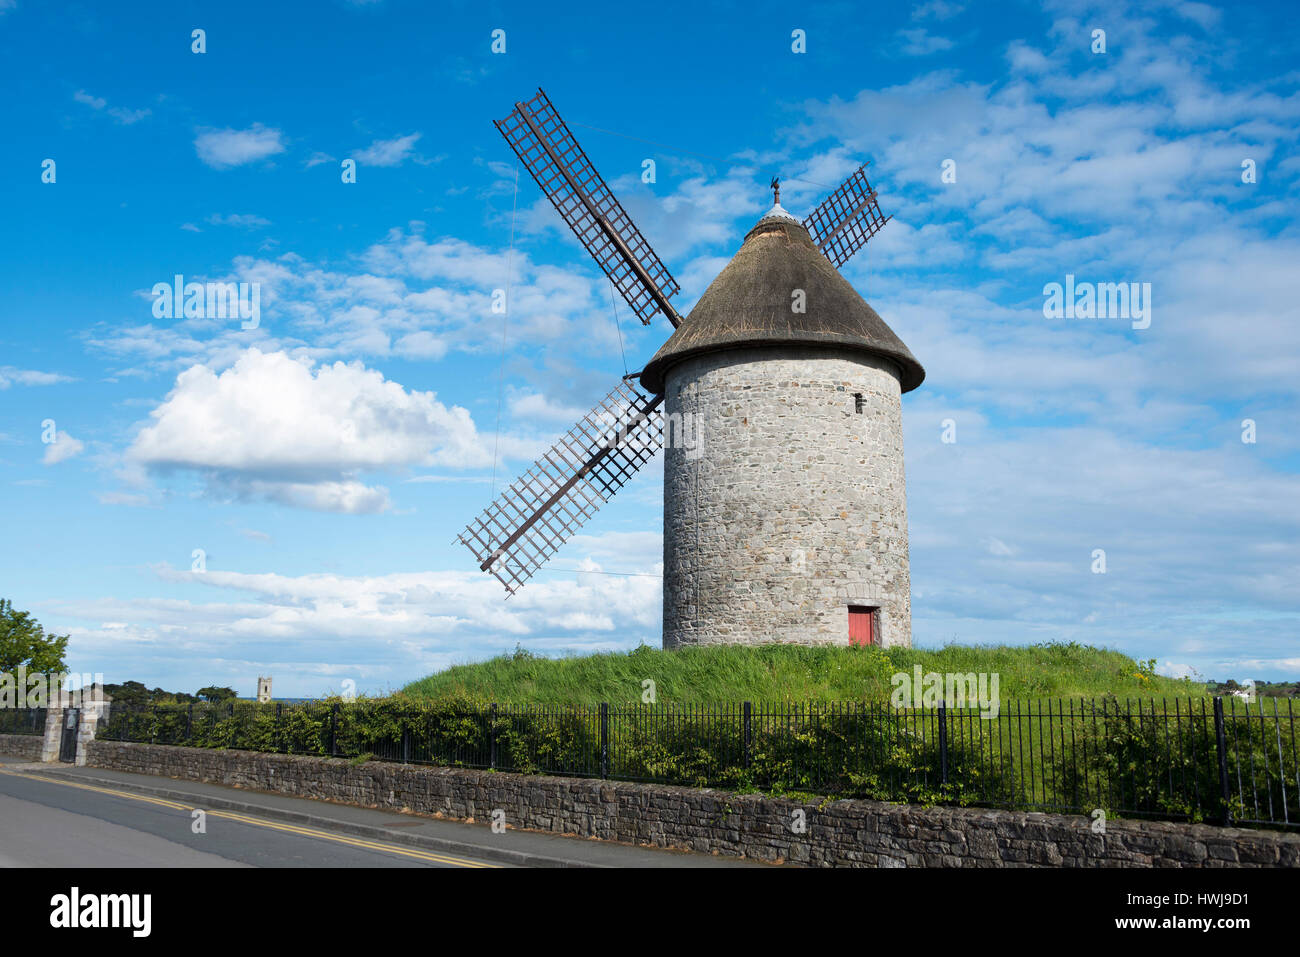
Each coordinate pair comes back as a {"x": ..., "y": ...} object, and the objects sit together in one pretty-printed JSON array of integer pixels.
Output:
[
  {"x": 776, "y": 190},
  {"x": 779, "y": 212}
]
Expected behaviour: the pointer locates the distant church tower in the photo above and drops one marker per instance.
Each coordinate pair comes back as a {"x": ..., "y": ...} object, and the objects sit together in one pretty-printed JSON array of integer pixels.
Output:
[{"x": 790, "y": 525}]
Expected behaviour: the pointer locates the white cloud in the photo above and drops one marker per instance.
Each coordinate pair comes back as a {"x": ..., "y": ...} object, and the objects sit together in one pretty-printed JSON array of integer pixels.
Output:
[
  {"x": 222, "y": 149},
  {"x": 536, "y": 406},
  {"x": 241, "y": 220},
  {"x": 392, "y": 152},
  {"x": 937, "y": 10},
  {"x": 61, "y": 449},
  {"x": 122, "y": 115},
  {"x": 349, "y": 497},
  {"x": 406, "y": 296},
  {"x": 1026, "y": 59},
  {"x": 421, "y": 344},
  {"x": 270, "y": 428},
  {"x": 11, "y": 376},
  {"x": 1200, "y": 543},
  {"x": 94, "y": 102},
  {"x": 305, "y": 628},
  {"x": 127, "y": 117},
  {"x": 1025, "y": 207},
  {"x": 1202, "y": 14},
  {"x": 917, "y": 41},
  {"x": 1000, "y": 548},
  {"x": 1171, "y": 669}
]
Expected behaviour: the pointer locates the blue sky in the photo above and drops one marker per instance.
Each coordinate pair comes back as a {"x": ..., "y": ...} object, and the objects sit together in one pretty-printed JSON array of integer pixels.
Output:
[{"x": 325, "y": 460}]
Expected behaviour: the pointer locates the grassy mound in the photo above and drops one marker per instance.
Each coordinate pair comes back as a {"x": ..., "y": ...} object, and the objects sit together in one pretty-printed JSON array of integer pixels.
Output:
[{"x": 722, "y": 675}]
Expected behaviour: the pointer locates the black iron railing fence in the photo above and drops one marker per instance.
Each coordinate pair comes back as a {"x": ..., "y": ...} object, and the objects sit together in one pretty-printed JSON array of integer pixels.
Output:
[
  {"x": 22, "y": 720},
  {"x": 1187, "y": 759}
]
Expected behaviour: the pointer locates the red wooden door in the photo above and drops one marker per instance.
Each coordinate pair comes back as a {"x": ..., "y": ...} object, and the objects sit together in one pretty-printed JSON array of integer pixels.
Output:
[{"x": 862, "y": 621}]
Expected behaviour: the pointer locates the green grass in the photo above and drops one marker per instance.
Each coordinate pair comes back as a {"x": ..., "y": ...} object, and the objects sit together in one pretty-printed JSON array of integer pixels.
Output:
[{"x": 798, "y": 673}]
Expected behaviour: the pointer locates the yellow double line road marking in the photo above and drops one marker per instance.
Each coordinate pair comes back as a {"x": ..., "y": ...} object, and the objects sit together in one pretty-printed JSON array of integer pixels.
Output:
[{"x": 273, "y": 825}]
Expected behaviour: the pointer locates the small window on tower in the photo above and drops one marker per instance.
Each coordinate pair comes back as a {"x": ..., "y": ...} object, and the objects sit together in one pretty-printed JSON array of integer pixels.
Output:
[{"x": 858, "y": 402}]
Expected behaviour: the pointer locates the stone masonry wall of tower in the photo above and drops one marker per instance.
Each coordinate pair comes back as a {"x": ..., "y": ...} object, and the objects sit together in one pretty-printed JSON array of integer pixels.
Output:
[{"x": 795, "y": 507}]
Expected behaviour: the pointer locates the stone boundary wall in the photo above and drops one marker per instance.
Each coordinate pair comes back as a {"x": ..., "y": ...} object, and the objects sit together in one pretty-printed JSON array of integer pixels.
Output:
[
  {"x": 849, "y": 833},
  {"x": 22, "y": 745}
]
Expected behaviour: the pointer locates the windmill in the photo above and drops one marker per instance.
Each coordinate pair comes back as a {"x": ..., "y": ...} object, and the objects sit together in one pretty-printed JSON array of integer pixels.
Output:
[{"x": 749, "y": 317}]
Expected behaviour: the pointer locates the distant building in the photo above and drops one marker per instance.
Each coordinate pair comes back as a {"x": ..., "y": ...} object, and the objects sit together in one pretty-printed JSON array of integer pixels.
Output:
[{"x": 263, "y": 689}]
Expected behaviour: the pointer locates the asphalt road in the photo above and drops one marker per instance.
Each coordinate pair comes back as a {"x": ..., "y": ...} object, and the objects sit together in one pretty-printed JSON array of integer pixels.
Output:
[
  {"x": 57, "y": 815},
  {"x": 46, "y": 821}
]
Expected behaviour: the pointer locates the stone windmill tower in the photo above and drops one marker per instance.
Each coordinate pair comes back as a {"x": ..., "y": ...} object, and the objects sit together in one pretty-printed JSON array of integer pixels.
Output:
[{"x": 778, "y": 404}]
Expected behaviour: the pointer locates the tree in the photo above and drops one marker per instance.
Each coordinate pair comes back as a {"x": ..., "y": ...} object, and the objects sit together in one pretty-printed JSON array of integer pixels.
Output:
[
  {"x": 129, "y": 694},
  {"x": 133, "y": 694},
  {"x": 23, "y": 642},
  {"x": 216, "y": 694}
]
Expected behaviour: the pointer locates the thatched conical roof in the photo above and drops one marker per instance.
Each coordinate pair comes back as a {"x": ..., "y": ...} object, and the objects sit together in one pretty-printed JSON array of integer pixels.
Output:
[{"x": 749, "y": 304}]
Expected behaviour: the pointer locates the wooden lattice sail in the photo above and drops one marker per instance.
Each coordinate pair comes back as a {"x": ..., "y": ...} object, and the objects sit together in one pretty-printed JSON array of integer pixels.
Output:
[
  {"x": 846, "y": 219},
  {"x": 531, "y": 519},
  {"x": 550, "y": 152}
]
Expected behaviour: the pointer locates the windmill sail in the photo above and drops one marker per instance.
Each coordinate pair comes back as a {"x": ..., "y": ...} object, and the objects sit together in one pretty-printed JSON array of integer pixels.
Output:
[
  {"x": 548, "y": 149},
  {"x": 529, "y": 521},
  {"x": 847, "y": 218}
]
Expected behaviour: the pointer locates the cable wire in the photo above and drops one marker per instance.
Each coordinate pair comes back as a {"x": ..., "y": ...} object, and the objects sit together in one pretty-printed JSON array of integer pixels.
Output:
[
  {"x": 505, "y": 324},
  {"x": 618, "y": 326}
]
